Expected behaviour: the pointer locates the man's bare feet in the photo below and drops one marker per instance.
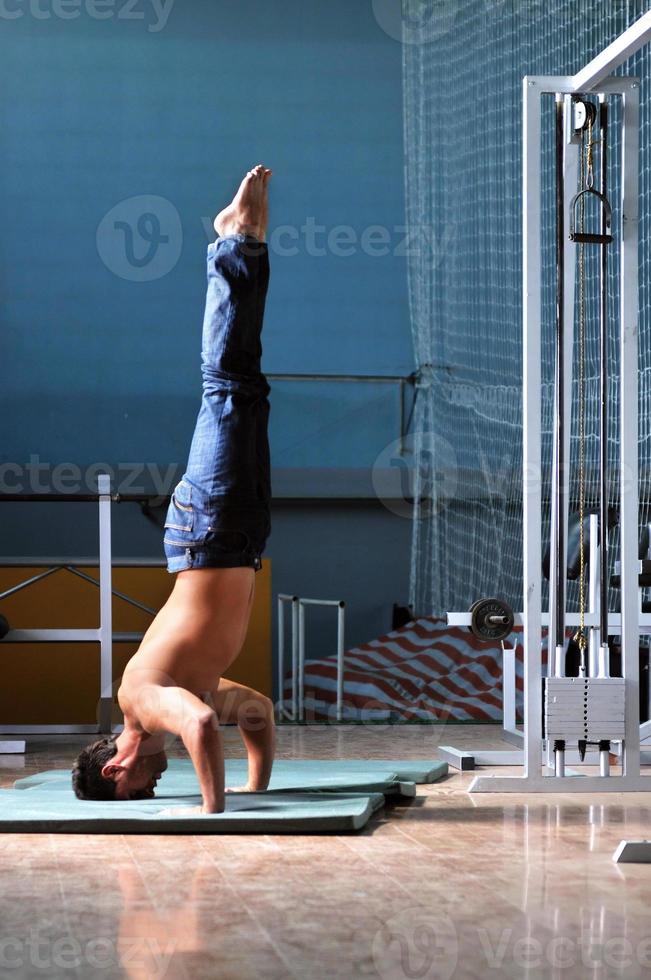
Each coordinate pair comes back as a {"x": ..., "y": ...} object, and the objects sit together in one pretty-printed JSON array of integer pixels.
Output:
[{"x": 247, "y": 213}]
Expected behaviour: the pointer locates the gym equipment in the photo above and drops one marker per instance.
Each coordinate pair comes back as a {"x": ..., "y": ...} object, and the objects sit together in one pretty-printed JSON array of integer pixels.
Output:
[
  {"x": 298, "y": 606},
  {"x": 591, "y": 238},
  {"x": 491, "y": 619},
  {"x": 6, "y": 747},
  {"x": 103, "y": 634},
  {"x": 633, "y": 852},
  {"x": 594, "y": 711}
]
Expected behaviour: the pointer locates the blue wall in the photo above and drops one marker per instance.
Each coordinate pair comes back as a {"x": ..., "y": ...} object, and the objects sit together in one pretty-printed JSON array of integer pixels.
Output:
[
  {"x": 98, "y": 112},
  {"x": 100, "y": 352}
]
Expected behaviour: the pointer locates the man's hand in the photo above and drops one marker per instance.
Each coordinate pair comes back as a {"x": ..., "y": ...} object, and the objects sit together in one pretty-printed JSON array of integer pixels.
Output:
[{"x": 182, "y": 811}]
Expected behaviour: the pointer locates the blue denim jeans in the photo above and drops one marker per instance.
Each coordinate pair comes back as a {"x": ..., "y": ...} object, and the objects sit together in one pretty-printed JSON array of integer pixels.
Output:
[{"x": 219, "y": 514}]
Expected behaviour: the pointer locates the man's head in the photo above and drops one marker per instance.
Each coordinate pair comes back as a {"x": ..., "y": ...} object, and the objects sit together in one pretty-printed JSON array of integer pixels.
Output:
[{"x": 103, "y": 772}]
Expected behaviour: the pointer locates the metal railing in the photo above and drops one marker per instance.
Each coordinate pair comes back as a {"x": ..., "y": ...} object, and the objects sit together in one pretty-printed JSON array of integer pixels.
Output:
[
  {"x": 298, "y": 605},
  {"x": 102, "y": 634}
]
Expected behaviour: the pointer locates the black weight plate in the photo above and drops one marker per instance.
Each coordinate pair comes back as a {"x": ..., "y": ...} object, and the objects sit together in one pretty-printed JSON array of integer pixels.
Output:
[{"x": 481, "y": 626}]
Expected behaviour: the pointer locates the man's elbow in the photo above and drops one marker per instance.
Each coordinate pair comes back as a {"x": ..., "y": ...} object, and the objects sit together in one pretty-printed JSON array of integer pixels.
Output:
[
  {"x": 266, "y": 706},
  {"x": 200, "y": 726},
  {"x": 257, "y": 714}
]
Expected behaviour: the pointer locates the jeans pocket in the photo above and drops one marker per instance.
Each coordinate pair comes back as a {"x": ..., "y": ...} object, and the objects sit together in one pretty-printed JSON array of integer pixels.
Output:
[
  {"x": 225, "y": 541},
  {"x": 180, "y": 513}
]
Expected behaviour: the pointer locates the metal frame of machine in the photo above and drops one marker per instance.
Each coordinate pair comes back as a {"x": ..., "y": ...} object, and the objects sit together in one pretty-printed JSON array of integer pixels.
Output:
[{"x": 544, "y": 759}]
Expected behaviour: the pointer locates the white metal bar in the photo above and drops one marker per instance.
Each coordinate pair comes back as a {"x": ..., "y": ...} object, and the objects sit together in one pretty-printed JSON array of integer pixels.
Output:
[
  {"x": 560, "y": 784},
  {"x": 633, "y": 852},
  {"x": 508, "y": 691},
  {"x": 48, "y": 729},
  {"x": 68, "y": 636},
  {"x": 341, "y": 613},
  {"x": 532, "y": 474},
  {"x": 572, "y": 619},
  {"x": 40, "y": 562},
  {"x": 513, "y": 737},
  {"x": 53, "y": 636},
  {"x": 295, "y": 657},
  {"x": 551, "y": 84},
  {"x": 105, "y": 604},
  {"x": 301, "y": 660},
  {"x": 12, "y": 748},
  {"x": 281, "y": 655},
  {"x": 594, "y": 595},
  {"x": 468, "y": 759},
  {"x": 282, "y": 600},
  {"x": 621, "y": 49},
  {"x": 645, "y": 730},
  {"x": 629, "y": 493},
  {"x": 320, "y": 602}
]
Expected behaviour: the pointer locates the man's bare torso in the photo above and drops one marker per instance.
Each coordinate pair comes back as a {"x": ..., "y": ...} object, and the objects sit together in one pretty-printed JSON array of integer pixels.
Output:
[{"x": 191, "y": 645}]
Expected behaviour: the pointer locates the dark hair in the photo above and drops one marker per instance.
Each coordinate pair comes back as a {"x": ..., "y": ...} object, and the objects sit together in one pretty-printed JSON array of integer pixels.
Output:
[{"x": 87, "y": 780}]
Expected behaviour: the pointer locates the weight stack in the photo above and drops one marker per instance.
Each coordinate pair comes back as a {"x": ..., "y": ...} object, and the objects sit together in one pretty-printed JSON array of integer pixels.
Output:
[{"x": 584, "y": 709}]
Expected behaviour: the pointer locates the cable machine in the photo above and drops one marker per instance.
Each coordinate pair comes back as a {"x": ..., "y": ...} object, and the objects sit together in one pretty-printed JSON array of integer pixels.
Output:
[
  {"x": 567, "y": 716},
  {"x": 594, "y": 708}
]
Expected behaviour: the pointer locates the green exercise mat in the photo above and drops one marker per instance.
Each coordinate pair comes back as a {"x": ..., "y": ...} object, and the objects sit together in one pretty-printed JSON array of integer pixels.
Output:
[
  {"x": 393, "y": 778},
  {"x": 45, "y": 810}
]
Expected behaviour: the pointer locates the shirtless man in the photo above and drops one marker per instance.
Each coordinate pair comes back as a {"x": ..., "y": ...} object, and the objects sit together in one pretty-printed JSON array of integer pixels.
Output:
[{"x": 215, "y": 532}]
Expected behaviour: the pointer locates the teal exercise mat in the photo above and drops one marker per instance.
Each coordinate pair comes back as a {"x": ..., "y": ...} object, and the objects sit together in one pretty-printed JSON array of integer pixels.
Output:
[
  {"x": 54, "y": 812},
  {"x": 367, "y": 775}
]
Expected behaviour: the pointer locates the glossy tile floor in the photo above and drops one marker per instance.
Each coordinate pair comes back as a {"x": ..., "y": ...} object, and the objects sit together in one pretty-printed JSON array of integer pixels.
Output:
[{"x": 447, "y": 886}]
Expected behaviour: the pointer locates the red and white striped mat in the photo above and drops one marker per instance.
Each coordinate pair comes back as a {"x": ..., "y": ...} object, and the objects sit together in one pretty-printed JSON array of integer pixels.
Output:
[{"x": 426, "y": 670}]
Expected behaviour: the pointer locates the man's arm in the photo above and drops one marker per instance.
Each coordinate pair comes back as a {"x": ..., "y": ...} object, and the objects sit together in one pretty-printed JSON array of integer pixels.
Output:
[
  {"x": 253, "y": 713},
  {"x": 175, "y": 710}
]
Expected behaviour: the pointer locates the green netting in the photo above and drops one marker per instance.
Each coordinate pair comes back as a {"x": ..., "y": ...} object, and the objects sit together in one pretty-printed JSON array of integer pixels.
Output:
[{"x": 463, "y": 68}]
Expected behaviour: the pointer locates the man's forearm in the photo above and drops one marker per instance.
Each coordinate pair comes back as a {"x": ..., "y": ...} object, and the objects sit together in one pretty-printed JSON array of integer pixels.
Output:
[
  {"x": 204, "y": 744},
  {"x": 259, "y": 735},
  {"x": 254, "y": 715}
]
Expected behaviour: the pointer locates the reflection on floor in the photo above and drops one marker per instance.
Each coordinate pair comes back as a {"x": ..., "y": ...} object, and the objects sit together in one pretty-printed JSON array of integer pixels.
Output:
[{"x": 449, "y": 886}]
